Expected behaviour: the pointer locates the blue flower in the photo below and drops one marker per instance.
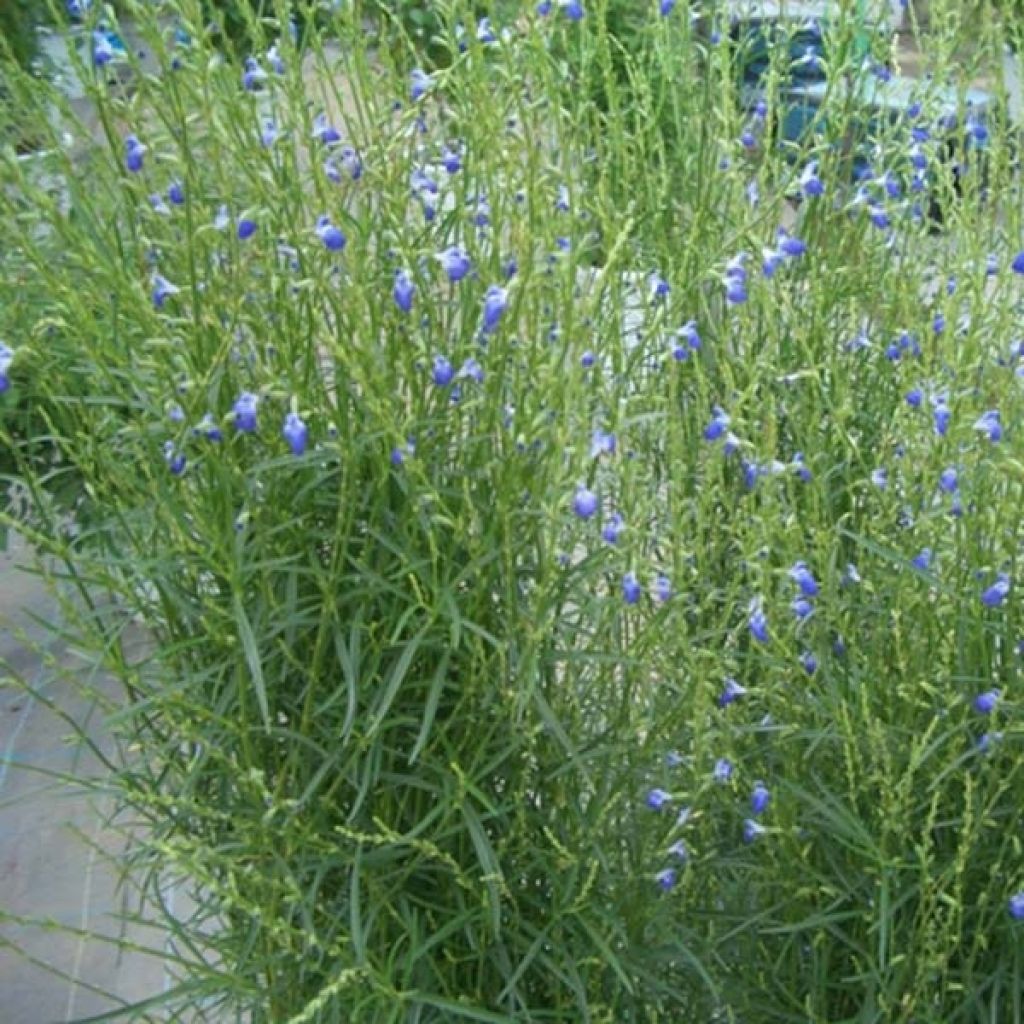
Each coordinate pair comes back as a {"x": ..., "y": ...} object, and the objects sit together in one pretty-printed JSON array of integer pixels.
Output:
[
  {"x": 244, "y": 411},
  {"x": 1016, "y": 906},
  {"x": 134, "y": 154},
  {"x": 611, "y": 530},
  {"x": 253, "y": 76},
  {"x": 914, "y": 397},
  {"x": 333, "y": 237},
  {"x": 948, "y": 480},
  {"x": 602, "y": 442},
  {"x": 757, "y": 621},
  {"x": 658, "y": 799},
  {"x": 176, "y": 193},
  {"x": 587, "y": 360},
  {"x": 631, "y": 589},
  {"x": 880, "y": 478},
  {"x": 801, "y": 468},
  {"x": 420, "y": 84},
  {"x": 455, "y": 262},
  {"x": 403, "y": 291},
  {"x": 324, "y": 132},
  {"x": 988, "y": 423},
  {"x": 760, "y": 797},
  {"x": 295, "y": 432},
  {"x": 718, "y": 425},
  {"x": 573, "y": 9},
  {"x": 941, "y": 416},
  {"x": 801, "y": 607},
  {"x": 996, "y": 594},
  {"x": 246, "y": 228},
  {"x": 722, "y": 771},
  {"x": 472, "y": 369},
  {"x": 162, "y": 291},
  {"x": 922, "y": 560},
  {"x": 809, "y": 663},
  {"x": 584, "y": 502},
  {"x": 678, "y": 849},
  {"x": 802, "y": 576},
  {"x": 662, "y": 588},
  {"x": 209, "y": 429},
  {"x": 985, "y": 703},
  {"x": 102, "y": 50},
  {"x": 752, "y": 830},
  {"x": 175, "y": 459},
  {"x": 731, "y": 691},
  {"x": 666, "y": 7},
  {"x": 495, "y": 303},
  {"x": 810, "y": 183},
  {"x": 1018, "y": 263},
  {"x": 443, "y": 372},
  {"x": 790, "y": 246},
  {"x": 771, "y": 260},
  {"x": 6, "y": 358},
  {"x": 666, "y": 878},
  {"x": 544, "y": 8}
]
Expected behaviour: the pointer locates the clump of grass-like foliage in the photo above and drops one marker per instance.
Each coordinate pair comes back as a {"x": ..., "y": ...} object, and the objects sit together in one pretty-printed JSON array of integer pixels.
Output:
[{"x": 577, "y": 554}]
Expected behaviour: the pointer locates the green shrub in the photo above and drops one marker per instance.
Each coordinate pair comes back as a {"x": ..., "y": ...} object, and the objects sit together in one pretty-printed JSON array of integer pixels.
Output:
[{"x": 424, "y": 730}]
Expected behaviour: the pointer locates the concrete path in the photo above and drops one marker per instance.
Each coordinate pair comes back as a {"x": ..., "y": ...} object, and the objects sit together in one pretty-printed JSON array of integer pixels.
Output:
[{"x": 54, "y": 844}]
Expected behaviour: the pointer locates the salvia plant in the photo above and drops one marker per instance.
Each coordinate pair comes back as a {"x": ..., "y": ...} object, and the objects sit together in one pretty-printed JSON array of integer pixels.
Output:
[{"x": 555, "y": 532}]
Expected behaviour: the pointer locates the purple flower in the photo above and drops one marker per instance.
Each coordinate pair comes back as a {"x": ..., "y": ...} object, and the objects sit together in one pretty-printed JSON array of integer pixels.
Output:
[
  {"x": 602, "y": 442},
  {"x": 988, "y": 423},
  {"x": 443, "y": 372},
  {"x": 324, "y": 132},
  {"x": 718, "y": 425},
  {"x": 666, "y": 878},
  {"x": 631, "y": 589},
  {"x": 244, "y": 411},
  {"x": 658, "y": 799},
  {"x": 472, "y": 369},
  {"x": 922, "y": 560},
  {"x": 723, "y": 770},
  {"x": 790, "y": 246},
  {"x": 758, "y": 622},
  {"x": 996, "y": 594},
  {"x": 611, "y": 530},
  {"x": 495, "y": 303},
  {"x": 134, "y": 154},
  {"x": 1016, "y": 906},
  {"x": 752, "y": 830},
  {"x": 246, "y": 228},
  {"x": 455, "y": 262},
  {"x": 162, "y": 291},
  {"x": 584, "y": 502},
  {"x": 731, "y": 691},
  {"x": 6, "y": 358},
  {"x": 809, "y": 663},
  {"x": 810, "y": 183},
  {"x": 253, "y": 76},
  {"x": 760, "y": 797},
  {"x": 333, "y": 237},
  {"x": 403, "y": 291},
  {"x": 420, "y": 84},
  {"x": 985, "y": 703},
  {"x": 102, "y": 50},
  {"x": 804, "y": 579},
  {"x": 678, "y": 849},
  {"x": 295, "y": 432}
]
